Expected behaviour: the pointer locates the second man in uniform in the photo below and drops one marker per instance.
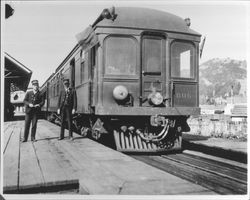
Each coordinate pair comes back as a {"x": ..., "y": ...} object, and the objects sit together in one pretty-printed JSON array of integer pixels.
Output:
[{"x": 67, "y": 104}]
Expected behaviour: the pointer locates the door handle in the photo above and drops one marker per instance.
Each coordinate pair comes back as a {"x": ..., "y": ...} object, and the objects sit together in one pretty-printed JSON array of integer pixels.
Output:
[{"x": 151, "y": 73}]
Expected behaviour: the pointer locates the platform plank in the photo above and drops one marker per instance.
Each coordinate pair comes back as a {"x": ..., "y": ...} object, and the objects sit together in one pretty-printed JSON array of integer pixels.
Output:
[
  {"x": 11, "y": 162},
  {"x": 7, "y": 136},
  {"x": 145, "y": 176},
  {"x": 31, "y": 176},
  {"x": 94, "y": 179},
  {"x": 50, "y": 133},
  {"x": 53, "y": 171},
  {"x": 7, "y": 125},
  {"x": 161, "y": 187},
  {"x": 118, "y": 174},
  {"x": 88, "y": 170},
  {"x": 54, "y": 130}
]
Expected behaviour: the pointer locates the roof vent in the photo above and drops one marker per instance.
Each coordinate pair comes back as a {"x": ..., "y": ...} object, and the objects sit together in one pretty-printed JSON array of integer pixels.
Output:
[{"x": 188, "y": 21}]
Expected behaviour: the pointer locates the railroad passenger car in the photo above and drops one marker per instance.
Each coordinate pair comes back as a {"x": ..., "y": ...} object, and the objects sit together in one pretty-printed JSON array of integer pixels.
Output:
[{"x": 135, "y": 72}]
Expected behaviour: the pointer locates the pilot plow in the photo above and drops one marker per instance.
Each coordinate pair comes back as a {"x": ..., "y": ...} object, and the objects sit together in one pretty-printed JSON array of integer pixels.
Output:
[{"x": 165, "y": 138}]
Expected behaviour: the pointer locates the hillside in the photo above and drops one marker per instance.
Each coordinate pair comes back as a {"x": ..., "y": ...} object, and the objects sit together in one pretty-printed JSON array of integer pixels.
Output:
[{"x": 218, "y": 76}]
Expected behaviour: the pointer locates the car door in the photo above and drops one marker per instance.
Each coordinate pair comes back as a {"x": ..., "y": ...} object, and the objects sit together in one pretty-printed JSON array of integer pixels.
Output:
[{"x": 153, "y": 67}]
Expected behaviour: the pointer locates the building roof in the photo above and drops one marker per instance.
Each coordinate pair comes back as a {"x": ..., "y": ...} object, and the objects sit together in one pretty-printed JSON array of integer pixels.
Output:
[
  {"x": 15, "y": 72},
  {"x": 239, "y": 110},
  {"x": 145, "y": 18}
]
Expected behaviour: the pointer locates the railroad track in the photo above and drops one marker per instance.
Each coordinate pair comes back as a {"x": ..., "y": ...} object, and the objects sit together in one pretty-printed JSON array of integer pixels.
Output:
[{"x": 218, "y": 176}]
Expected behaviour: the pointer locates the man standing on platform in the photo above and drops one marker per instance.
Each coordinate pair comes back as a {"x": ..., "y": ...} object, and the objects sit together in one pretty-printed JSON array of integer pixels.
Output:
[
  {"x": 33, "y": 102},
  {"x": 67, "y": 104}
]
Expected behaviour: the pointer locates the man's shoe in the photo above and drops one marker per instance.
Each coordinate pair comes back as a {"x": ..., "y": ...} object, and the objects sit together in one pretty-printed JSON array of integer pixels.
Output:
[
  {"x": 71, "y": 138},
  {"x": 60, "y": 138},
  {"x": 24, "y": 140},
  {"x": 33, "y": 140}
]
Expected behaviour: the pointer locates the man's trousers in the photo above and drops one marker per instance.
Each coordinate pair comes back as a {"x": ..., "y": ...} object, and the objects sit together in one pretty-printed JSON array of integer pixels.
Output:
[
  {"x": 66, "y": 116},
  {"x": 30, "y": 117}
]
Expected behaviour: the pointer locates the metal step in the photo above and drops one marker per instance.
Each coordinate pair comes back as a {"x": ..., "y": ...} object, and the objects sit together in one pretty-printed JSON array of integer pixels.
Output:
[{"x": 127, "y": 142}]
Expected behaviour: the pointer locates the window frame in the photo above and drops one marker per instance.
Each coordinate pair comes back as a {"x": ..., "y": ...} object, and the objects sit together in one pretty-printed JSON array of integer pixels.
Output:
[
  {"x": 194, "y": 61},
  {"x": 126, "y": 76},
  {"x": 159, "y": 37}
]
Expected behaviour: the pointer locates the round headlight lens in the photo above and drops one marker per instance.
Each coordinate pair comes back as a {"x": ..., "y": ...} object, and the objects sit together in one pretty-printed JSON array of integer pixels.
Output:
[
  {"x": 120, "y": 92},
  {"x": 155, "y": 98}
]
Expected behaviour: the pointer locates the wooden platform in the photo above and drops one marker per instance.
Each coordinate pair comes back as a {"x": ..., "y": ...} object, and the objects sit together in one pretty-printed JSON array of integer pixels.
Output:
[{"x": 82, "y": 166}]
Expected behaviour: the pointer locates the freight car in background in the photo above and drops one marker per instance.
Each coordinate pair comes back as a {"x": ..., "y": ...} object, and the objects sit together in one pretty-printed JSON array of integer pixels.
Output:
[{"x": 135, "y": 72}]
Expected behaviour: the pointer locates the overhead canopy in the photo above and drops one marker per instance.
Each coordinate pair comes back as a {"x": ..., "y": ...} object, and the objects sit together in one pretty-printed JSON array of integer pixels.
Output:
[{"x": 16, "y": 74}]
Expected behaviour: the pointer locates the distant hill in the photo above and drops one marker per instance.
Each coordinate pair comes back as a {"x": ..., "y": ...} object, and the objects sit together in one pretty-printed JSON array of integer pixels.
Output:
[{"x": 217, "y": 76}]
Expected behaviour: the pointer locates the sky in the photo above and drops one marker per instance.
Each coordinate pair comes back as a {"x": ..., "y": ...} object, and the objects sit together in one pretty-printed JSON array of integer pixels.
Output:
[{"x": 41, "y": 34}]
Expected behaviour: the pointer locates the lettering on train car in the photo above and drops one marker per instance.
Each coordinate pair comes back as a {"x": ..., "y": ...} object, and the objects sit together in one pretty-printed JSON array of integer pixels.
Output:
[{"x": 183, "y": 96}]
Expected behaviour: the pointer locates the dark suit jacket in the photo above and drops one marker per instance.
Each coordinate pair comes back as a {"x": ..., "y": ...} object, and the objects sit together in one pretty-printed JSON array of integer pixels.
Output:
[
  {"x": 72, "y": 99},
  {"x": 34, "y": 99}
]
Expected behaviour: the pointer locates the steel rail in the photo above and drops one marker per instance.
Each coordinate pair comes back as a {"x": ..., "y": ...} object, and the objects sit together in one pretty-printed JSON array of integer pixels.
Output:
[{"x": 204, "y": 169}]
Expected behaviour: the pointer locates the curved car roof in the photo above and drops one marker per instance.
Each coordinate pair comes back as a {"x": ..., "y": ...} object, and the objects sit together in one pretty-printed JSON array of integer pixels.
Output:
[{"x": 145, "y": 18}]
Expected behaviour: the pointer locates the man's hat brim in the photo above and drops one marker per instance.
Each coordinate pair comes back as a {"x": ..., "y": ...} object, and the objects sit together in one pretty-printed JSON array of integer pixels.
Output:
[
  {"x": 66, "y": 81},
  {"x": 34, "y": 82}
]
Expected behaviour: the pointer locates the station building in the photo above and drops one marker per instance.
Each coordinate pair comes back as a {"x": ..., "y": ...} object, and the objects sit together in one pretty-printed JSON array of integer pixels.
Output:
[{"x": 16, "y": 78}]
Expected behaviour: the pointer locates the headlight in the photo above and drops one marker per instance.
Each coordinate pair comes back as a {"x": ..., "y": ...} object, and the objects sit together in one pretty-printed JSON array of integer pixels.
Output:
[
  {"x": 155, "y": 98},
  {"x": 120, "y": 92}
]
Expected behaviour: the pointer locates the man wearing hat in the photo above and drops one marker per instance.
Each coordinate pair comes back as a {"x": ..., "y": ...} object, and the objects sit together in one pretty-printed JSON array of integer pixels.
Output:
[
  {"x": 33, "y": 102},
  {"x": 67, "y": 104}
]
